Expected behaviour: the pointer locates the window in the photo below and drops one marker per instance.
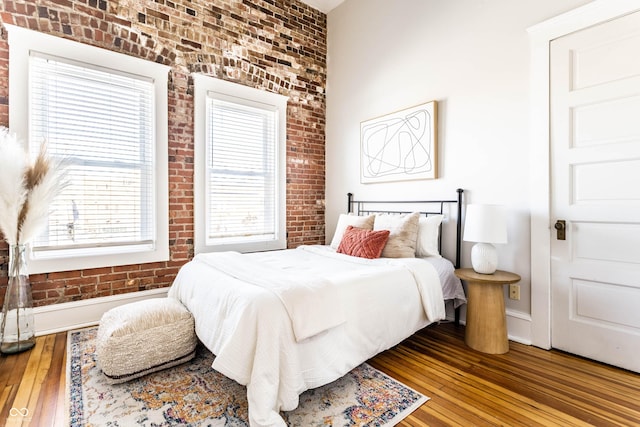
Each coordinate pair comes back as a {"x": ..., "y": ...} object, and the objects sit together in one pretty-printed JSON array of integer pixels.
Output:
[
  {"x": 240, "y": 185},
  {"x": 105, "y": 113}
]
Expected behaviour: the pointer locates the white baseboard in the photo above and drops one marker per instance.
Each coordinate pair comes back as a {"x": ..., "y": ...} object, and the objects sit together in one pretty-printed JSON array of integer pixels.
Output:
[
  {"x": 66, "y": 316},
  {"x": 519, "y": 326}
]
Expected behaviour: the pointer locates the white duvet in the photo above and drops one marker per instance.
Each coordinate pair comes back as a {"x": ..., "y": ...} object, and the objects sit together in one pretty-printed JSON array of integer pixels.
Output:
[
  {"x": 307, "y": 297},
  {"x": 246, "y": 323}
]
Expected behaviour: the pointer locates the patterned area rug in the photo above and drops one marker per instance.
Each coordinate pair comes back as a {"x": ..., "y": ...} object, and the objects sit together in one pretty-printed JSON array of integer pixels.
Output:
[{"x": 193, "y": 394}]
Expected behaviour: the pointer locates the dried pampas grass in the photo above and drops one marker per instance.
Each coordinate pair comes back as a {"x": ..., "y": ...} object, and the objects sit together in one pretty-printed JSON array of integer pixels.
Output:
[
  {"x": 13, "y": 193},
  {"x": 26, "y": 189}
]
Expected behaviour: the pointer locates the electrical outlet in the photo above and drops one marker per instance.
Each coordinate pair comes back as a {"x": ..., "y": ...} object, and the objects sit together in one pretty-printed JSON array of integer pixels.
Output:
[{"x": 514, "y": 292}]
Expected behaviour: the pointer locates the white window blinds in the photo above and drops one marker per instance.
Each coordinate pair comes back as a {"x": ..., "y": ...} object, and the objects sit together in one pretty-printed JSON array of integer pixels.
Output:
[
  {"x": 239, "y": 167},
  {"x": 102, "y": 122},
  {"x": 242, "y": 184}
]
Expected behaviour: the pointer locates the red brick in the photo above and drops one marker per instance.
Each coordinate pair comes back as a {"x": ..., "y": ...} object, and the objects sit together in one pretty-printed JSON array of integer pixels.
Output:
[{"x": 171, "y": 36}]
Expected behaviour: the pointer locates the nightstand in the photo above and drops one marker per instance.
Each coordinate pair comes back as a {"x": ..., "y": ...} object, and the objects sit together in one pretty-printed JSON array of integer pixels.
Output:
[{"x": 486, "y": 328}]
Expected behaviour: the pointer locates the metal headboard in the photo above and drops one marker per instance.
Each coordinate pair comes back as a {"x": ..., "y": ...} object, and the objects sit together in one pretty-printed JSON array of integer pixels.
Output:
[{"x": 433, "y": 207}]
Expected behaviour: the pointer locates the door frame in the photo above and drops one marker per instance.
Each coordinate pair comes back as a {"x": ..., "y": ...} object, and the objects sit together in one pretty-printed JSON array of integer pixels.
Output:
[{"x": 540, "y": 36}]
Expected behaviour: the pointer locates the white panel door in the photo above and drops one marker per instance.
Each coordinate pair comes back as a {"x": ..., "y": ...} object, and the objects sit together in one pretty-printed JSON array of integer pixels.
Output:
[{"x": 595, "y": 186}]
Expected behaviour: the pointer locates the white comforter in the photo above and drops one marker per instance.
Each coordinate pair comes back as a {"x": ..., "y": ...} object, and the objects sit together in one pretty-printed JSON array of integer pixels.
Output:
[
  {"x": 249, "y": 329},
  {"x": 306, "y": 297}
]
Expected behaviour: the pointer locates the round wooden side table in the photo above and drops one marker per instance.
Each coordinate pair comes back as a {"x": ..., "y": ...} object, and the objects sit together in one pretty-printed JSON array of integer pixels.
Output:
[{"x": 486, "y": 328}]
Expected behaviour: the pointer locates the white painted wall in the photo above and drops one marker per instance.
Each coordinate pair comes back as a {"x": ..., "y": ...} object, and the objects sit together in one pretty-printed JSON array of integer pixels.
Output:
[{"x": 472, "y": 56}]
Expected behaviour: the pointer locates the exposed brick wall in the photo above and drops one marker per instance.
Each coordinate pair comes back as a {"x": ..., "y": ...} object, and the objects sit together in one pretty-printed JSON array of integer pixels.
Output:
[{"x": 276, "y": 45}]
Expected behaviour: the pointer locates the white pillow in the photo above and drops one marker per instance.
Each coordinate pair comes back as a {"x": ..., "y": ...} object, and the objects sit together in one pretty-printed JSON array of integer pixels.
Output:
[
  {"x": 403, "y": 234},
  {"x": 428, "y": 233},
  {"x": 345, "y": 220}
]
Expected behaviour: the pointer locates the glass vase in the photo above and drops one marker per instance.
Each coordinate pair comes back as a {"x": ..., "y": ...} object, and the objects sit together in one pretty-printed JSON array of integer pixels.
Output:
[{"x": 18, "y": 328}]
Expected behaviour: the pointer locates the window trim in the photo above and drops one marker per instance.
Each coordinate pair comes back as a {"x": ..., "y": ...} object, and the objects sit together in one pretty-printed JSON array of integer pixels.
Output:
[
  {"x": 203, "y": 85},
  {"x": 21, "y": 42}
]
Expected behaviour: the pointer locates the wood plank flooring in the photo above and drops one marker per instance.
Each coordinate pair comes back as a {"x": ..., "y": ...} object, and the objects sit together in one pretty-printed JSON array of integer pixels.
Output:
[
  {"x": 32, "y": 384},
  {"x": 525, "y": 387}
]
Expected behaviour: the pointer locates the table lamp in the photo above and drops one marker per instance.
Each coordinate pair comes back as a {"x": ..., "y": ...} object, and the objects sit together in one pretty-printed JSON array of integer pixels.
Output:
[{"x": 485, "y": 225}]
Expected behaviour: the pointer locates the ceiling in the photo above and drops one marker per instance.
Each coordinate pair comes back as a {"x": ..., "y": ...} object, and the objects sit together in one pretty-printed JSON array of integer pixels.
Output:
[{"x": 323, "y": 5}]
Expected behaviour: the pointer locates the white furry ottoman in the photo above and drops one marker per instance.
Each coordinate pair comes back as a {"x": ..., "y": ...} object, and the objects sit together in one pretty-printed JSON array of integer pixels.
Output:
[{"x": 142, "y": 337}]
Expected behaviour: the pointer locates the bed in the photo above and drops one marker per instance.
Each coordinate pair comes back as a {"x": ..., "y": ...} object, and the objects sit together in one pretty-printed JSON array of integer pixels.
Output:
[{"x": 275, "y": 319}]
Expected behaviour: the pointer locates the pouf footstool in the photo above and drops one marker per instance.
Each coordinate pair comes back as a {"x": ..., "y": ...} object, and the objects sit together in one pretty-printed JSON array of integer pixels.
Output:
[{"x": 142, "y": 337}]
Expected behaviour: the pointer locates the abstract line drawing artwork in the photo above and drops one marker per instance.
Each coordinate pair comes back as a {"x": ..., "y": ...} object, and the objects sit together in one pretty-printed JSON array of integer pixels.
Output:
[{"x": 400, "y": 146}]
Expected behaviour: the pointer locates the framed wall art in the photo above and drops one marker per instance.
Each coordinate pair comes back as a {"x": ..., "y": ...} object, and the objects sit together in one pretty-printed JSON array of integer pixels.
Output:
[{"x": 400, "y": 146}]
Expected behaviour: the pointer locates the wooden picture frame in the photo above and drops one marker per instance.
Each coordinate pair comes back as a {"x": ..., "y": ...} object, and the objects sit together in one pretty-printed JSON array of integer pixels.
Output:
[{"x": 400, "y": 146}]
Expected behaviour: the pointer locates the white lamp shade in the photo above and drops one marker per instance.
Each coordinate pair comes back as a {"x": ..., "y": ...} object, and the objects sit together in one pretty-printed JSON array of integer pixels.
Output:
[{"x": 485, "y": 224}]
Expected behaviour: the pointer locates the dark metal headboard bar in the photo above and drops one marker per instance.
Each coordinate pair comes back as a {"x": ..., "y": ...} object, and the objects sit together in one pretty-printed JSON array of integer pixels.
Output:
[
  {"x": 459, "y": 228},
  {"x": 359, "y": 209}
]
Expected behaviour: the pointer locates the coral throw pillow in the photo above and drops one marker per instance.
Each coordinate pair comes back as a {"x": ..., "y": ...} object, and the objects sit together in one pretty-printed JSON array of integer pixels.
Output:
[{"x": 363, "y": 243}]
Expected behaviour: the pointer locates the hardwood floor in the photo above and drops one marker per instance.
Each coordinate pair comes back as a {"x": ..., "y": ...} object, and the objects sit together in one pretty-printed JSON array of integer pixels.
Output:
[
  {"x": 525, "y": 387},
  {"x": 32, "y": 384}
]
